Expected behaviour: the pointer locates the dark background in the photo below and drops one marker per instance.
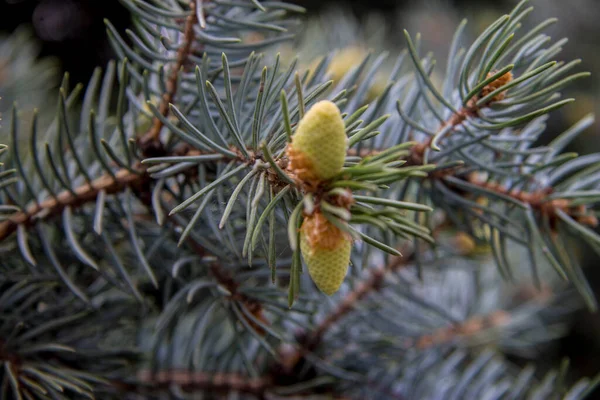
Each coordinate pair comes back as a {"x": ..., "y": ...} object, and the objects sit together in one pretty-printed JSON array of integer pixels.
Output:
[{"x": 74, "y": 32}]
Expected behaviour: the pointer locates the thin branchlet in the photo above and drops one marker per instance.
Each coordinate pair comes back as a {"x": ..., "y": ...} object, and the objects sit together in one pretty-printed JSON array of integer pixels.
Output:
[
  {"x": 198, "y": 380},
  {"x": 84, "y": 194},
  {"x": 151, "y": 138}
]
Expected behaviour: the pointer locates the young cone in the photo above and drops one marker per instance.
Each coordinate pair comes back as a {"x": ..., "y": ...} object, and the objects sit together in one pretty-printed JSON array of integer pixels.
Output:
[
  {"x": 326, "y": 251},
  {"x": 318, "y": 147}
]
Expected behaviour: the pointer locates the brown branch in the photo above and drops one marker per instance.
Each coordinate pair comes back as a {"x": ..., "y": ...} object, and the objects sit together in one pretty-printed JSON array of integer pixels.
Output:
[
  {"x": 225, "y": 279},
  {"x": 204, "y": 381},
  {"x": 477, "y": 324},
  {"x": 465, "y": 329},
  {"x": 151, "y": 139},
  {"x": 5, "y": 355},
  {"x": 539, "y": 201},
  {"x": 196, "y": 380},
  {"x": 252, "y": 305},
  {"x": 83, "y": 194}
]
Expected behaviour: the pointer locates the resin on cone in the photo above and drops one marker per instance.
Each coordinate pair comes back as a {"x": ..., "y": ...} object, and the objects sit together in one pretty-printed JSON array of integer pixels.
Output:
[
  {"x": 326, "y": 251},
  {"x": 318, "y": 148}
]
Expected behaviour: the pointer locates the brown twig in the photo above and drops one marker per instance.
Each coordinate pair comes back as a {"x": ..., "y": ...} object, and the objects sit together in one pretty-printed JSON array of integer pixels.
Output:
[
  {"x": 253, "y": 306},
  {"x": 205, "y": 381},
  {"x": 465, "y": 329},
  {"x": 196, "y": 380},
  {"x": 5, "y": 355},
  {"x": 83, "y": 194},
  {"x": 477, "y": 324},
  {"x": 538, "y": 200},
  {"x": 225, "y": 279},
  {"x": 150, "y": 140}
]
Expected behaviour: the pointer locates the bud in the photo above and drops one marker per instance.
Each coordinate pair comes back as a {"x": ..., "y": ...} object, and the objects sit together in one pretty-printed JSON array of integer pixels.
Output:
[
  {"x": 326, "y": 251},
  {"x": 498, "y": 83},
  {"x": 318, "y": 147},
  {"x": 344, "y": 60}
]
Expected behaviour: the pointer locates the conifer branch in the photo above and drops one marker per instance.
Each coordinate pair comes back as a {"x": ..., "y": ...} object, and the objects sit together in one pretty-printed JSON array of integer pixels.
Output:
[
  {"x": 476, "y": 324},
  {"x": 197, "y": 380},
  {"x": 465, "y": 329},
  {"x": 223, "y": 147},
  {"x": 377, "y": 274},
  {"x": 374, "y": 282},
  {"x": 539, "y": 201},
  {"x": 83, "y": 194},
  {"x": 205, "y": 381},
  {"x": 151, "y": 137}
]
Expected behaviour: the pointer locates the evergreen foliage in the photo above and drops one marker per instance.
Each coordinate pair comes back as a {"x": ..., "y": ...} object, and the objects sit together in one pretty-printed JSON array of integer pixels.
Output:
[{"x": 156, "y": 235}]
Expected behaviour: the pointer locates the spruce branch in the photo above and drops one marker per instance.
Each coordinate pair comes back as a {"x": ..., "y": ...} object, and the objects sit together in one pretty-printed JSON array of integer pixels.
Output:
[
  {"x": 537, "y": 201},
  {"x": 203, "y": 381},
  {"x": 152, "y": 136},
  {"x": 494, "y": 320},
  {"x": 540, "y": 200},
  {"x": 79, "y": 196},
  {"x": 373, "y": 282},
  {"x": 232, "y": 154},
  {"x": 471, "y": 327}
]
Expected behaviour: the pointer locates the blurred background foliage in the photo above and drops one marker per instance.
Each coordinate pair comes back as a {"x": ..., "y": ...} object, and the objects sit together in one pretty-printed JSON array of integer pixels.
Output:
[
  {"x": 73, "y": 31},
  {"x": 71, "y": 37}
]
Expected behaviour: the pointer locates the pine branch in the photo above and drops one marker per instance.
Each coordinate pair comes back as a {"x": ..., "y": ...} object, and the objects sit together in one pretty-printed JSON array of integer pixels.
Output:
[
  {"x": 377, "y": 274},
  {"x": 465, "y": 329},
  {"x": 151, "y": 138},
  {"x": 539, "y": 201},
  {"x": 226, "y": 280},
  {"x": 197, "y": 380},
  {"x": 83, "y": 194},
  {"x": 479, "y": 323}
]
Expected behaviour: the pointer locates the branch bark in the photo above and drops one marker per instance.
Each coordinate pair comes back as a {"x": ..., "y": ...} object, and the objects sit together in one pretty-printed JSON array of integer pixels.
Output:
[
  {"x": 197, "y": 380},
  {"x": 151, "y": 138},
  {"x": 83, "y": 194}
]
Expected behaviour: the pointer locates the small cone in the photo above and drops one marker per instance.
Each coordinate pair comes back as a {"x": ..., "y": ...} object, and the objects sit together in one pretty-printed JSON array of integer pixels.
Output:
[
  {"x": 326, "y": 251},
  {"x": 318, "y": 147}
]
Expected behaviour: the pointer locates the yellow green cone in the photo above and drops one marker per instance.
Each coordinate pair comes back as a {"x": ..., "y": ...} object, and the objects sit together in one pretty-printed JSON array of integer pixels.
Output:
[
  {"x": 326, "y": 252},
  {"x": 318, "y": 147}
]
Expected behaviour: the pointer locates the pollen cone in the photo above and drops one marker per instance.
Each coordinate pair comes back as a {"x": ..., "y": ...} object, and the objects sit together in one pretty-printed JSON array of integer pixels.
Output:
[
  {"x": 318, "y": 147},
  {"x": 326, "y": 251}
]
